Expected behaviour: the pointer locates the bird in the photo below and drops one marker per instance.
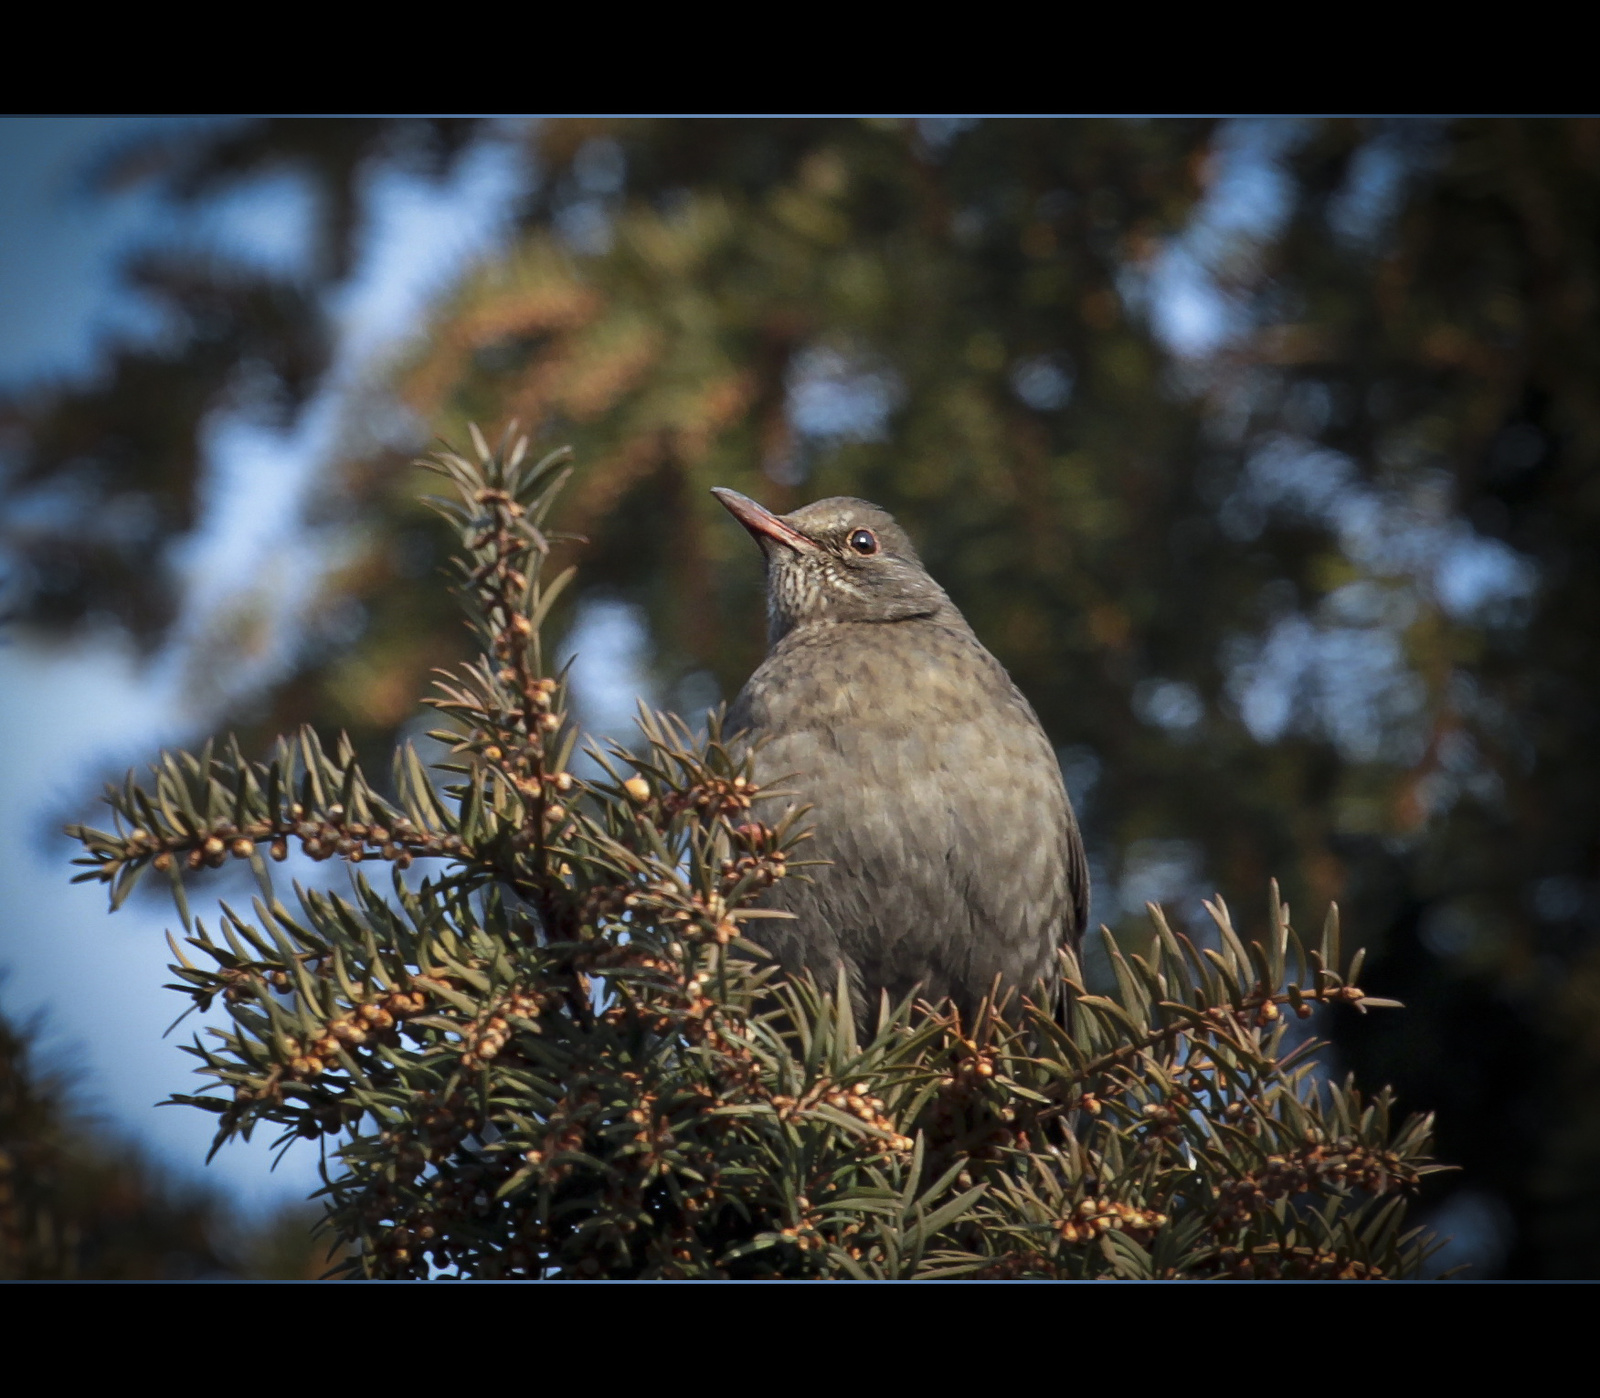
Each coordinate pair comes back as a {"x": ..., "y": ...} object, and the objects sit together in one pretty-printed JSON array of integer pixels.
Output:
[{"x": 954, "y": 864}]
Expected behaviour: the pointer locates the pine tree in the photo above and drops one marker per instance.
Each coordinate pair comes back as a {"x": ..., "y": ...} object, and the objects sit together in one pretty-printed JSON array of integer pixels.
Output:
[{"x": 549, "y": 1052}]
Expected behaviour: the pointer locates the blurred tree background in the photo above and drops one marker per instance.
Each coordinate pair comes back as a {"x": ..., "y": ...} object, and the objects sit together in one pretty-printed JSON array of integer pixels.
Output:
[
  {"x": 1263, "y": 454},
  {"x": 78, "y": 1202}
]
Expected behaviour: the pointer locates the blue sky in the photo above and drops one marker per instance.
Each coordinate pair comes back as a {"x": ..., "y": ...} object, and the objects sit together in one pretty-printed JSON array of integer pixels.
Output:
[
  {"x": 70, "y": 714},
  {"x": 58, "y": 292}
]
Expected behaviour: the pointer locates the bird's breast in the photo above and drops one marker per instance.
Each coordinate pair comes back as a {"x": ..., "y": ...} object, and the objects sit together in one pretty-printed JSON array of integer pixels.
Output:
[
  {"x": 920, "y": 762},
  {"x": 937, "y": 810},
  {"x": 878, "y": 679}
]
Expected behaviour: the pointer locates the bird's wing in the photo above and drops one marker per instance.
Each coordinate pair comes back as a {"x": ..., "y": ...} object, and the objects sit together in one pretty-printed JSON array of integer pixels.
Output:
[
  {"x": 1077, "y": 883},
  {"x": 1077, "y": 858}
]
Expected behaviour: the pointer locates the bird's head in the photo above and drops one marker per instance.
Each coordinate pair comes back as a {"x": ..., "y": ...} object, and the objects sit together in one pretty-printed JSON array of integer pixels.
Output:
[{"x": 835, "y": 561}]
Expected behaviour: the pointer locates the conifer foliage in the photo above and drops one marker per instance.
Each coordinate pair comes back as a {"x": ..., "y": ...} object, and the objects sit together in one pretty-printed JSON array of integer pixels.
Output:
[{"x": 549, "y": 1052}]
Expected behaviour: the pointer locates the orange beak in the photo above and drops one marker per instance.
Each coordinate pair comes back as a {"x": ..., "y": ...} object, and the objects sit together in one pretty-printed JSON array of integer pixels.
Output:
[{"x": 761, "y": 521}]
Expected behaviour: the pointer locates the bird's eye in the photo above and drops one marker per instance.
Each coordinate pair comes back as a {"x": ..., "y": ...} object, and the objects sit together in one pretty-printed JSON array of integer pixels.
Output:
[{"x": 864, "y": 541}]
